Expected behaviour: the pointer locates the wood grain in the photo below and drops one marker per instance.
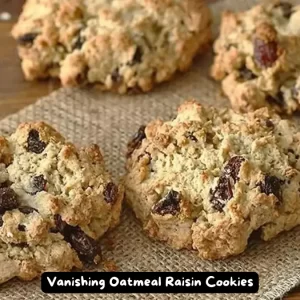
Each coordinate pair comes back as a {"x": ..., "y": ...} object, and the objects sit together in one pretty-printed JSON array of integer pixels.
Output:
[{"x": 16, "y": 93}]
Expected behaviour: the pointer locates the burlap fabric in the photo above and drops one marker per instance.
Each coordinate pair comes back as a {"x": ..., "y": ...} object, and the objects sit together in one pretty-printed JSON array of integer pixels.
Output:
[{"x": 109, "y": 120}]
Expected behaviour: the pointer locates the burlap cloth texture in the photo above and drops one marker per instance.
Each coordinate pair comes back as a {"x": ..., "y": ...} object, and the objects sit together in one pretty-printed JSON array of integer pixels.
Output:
[{"x": 109, "y": 120}]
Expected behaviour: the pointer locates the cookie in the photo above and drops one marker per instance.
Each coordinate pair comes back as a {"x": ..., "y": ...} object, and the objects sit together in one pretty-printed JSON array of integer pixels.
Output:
[
  {"x": 257, "y": 58},
  {"x": 119, "y": 45},
  {"x": 55, "y": 203},
  {"x": 210, "y": 178}
]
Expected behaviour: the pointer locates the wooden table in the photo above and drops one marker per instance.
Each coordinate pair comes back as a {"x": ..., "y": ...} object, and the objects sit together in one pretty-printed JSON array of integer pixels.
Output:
[{"x": 15, "y": 92}]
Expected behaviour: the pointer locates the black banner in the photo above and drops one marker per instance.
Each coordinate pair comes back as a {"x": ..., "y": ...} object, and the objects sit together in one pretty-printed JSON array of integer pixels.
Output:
[{"x": 148, "y": 282}]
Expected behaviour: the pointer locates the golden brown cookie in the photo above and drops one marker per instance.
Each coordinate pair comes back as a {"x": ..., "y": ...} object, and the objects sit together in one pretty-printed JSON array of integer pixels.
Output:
[
  {"x": 118, "y": 45},
  {"x": 55, "y": 203},
  {"x": 257, "y": 57},
  {"x": 211, "y": 177}
]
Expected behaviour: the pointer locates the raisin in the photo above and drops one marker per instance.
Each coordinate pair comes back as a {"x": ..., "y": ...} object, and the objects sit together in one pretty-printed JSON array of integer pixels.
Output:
[
  {"x": 115, "y": 76},
  {"x": 54, "y": 230},
  {"x": 136, "y": 141},
  {"x": 60, "y": 224},
  {"x": 277, "y": 99},
  {"x": 21, "y": 227},
  {"x": 38, "y": 184},
  {"x": 168, "y": 205},
  {"x": 21, "y": 245},
  {"x": 222, "y": 194},
  {"x": 34, "y": 143},
  {"x": 190, "y": 136},
  {"x": 224, "y": 189},
  {"x": 286, "y": 8},
  {"x": 27, "y": 39},
  {"x": 269, "y": 123},
  {"x": 86, "y": 247},
  {"x": 246, "y": 74},
  {"x": 78, "y": 43},
  {"x": 26, "y": 210},
  {"x": 5, "y": 184},
  {"x": 272, "y": 185},
  {"x": 137, "y": 57},
  {"x": 8, "y": 199},
  {"x": 265, "y": 53},
  {"x": 232, "y": 169},
  {"x": 110, "y": 193}
]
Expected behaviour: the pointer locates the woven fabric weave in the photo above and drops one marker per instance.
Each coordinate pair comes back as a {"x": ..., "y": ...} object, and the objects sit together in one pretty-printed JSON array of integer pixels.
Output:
[{"x": 109, "y": 120}]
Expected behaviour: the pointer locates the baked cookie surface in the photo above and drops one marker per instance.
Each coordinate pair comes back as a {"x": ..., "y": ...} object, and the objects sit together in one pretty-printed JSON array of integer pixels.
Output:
[
  {"x": 55, "y": 203},
  {"x": 120, "y": 45},
  {"x": 257, "y": 57},
  {"x": 210, "y": 178}
]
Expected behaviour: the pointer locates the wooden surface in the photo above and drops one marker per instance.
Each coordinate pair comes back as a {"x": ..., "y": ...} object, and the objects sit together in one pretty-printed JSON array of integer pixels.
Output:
[{"x": 15, "y": 92}]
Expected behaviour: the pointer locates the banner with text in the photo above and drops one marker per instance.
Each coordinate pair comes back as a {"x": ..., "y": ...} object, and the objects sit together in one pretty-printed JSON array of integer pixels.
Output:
[{"x": 150, "y": 282}]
